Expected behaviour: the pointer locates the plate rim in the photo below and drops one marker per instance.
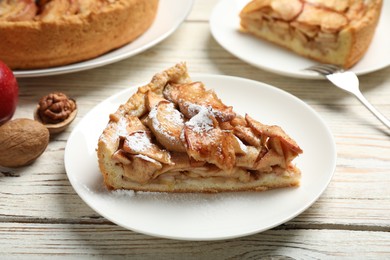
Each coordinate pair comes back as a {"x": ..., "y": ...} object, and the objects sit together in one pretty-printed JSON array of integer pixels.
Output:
[
  {"x": 202, "y": 76},
  {"x": 306, "y": 74},
  {"x": 97, "y": 62}
]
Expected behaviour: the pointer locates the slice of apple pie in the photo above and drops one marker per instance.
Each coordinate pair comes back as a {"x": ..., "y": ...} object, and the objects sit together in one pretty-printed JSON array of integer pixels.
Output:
[
  {"x": 173, "y": 135},
  {"x": 335, "y": 32}
]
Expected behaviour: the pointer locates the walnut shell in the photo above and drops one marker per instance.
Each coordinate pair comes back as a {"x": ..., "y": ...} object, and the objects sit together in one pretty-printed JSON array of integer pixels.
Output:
[
  {"x": 21, "y": 142},
  {"x": 59, "y": 127},
  {"x": 56, "y": 111}
]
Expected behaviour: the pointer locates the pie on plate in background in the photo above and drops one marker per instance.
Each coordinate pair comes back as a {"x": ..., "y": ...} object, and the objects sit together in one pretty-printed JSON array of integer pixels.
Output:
[
  {"x": 335, "y": 32},
  {"x": 42, "y": 34},
  {"x": 225, "y": 28}
]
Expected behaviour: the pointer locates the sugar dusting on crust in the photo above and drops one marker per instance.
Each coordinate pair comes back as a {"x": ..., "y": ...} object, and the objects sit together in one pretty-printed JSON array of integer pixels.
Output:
[
  {"x": 121, "y": 127},
  {"x": 175, "y": 117},
  {"x": 200, "y": 123},
  {"x": 138, "y": 141},
  {"x": 201, "y": 120},
  {"x": 193, "y": 109}
]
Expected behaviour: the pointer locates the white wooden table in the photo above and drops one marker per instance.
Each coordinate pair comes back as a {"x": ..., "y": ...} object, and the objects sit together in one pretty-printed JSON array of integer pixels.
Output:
[{"x": 41, "y": 216}]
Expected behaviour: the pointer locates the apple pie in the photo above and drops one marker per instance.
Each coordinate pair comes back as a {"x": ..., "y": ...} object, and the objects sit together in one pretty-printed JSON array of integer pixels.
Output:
[
  {"x": 334, "y": 32},
  {"x": 46, "y": 33},
  {"x": 174, "y": 135}
]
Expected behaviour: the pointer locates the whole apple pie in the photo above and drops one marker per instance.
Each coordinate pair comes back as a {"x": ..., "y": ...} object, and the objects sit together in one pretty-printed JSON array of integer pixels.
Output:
[
  {"x": 47, "y": 33},
  {"x": 174, "y": 135},
  {"x": 334, "y": 32}
]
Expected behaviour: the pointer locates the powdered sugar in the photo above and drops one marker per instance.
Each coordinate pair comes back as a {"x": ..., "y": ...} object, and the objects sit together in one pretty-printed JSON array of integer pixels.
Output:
[
  {"x": 201, "y": 122},
  {"x": 174, "y": 117},
  {"x": 121, "y": 127},
  {"x": 192, "y": 108},
  {"x": 138, "y": 141},
  {"x": 122, "y": 193}
]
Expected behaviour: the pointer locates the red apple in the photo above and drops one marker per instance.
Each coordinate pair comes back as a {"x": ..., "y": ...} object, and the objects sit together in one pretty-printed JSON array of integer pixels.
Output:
[{"x": 9, "y": 91}]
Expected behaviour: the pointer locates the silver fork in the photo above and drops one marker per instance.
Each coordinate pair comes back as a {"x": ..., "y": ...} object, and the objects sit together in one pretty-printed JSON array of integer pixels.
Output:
[{"x": 348, "y": 81}]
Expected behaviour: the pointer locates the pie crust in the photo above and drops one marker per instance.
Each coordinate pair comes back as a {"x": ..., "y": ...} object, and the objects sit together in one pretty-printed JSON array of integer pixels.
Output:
[
  {"x": 174, "y": 135},
  {"x": 41, "y": 34},
  {"x": 334, "y": 32}
]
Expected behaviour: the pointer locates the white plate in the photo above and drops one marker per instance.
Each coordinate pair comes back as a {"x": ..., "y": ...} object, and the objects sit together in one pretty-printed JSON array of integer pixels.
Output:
[
  {"x": 224, "y": 24},
  {"x": 171, "y": 13},
  {"x": 209, "y": 216}
]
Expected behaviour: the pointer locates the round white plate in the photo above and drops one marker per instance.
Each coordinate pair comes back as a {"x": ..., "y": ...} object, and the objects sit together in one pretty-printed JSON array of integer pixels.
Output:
[
  {"x": 209, "y": 216},
  {"x": 225, "y": 23},
  {"x": 171, "y": 13}
]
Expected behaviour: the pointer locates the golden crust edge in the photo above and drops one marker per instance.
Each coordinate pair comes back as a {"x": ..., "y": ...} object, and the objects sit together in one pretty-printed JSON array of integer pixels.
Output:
[
  {"x": 196, "y": 186},
  {"x": 363, "y": 32}
]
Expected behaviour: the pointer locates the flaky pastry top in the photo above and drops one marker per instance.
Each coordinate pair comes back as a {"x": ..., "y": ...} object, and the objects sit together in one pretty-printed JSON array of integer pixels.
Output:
[
  {"x": 321, "y": 15},
  {"x": 49, "y": 10}
]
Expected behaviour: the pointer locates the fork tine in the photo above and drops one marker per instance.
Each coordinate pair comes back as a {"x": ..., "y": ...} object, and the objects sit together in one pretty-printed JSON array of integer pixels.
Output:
[
  {"x": 325, "y": 69},
  {"x": 334, "y": 68},
  {"x": 320, "y": 70}
]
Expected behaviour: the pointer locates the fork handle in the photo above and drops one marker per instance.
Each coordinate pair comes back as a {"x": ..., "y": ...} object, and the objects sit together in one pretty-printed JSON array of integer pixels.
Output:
[{"x": 373, "y": 110}]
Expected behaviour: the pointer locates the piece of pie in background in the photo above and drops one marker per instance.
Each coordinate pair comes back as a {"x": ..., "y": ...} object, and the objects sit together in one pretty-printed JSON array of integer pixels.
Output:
[
  {"x": 336, "y": 32},
  {"x": 48, "y": 33}
]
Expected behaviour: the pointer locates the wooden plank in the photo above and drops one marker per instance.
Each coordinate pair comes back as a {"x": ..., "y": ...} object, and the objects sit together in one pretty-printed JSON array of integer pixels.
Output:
[
  {"x": 42, "y": 241},
  {"x": 201, "y": 10}
]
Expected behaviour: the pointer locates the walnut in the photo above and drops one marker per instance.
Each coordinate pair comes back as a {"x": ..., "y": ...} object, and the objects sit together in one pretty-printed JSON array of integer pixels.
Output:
[
  {"x": 56, "y": 111},
  {"x": 21, "y": 142},
  {"x": 55, "y": 108}
]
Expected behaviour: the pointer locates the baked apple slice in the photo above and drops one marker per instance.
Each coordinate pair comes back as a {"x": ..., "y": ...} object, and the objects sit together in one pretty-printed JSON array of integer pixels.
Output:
[
  {"x": 167, "y": 123},
  {"x": 17, "y": 10},
  {"x": 58, "y": 8}
]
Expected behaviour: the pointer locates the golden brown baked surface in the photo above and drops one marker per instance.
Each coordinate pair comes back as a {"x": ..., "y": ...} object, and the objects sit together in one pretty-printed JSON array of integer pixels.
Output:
[
  {"x": 58, "y": 32},
  {"x": 174, "y": 135},
  {"x": 335, "y": 32}
]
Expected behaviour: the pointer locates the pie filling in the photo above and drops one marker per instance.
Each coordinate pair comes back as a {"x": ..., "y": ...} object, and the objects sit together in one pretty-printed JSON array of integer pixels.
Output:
[
  {"x": 48, "y": 10},
  {"x": 187, "y": 133}
]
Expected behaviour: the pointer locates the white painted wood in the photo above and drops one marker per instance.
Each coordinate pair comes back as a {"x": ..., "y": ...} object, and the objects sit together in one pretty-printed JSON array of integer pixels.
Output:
[
  {"x": 42, "y": 217},
  {"x": 50, "y": 241}
]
